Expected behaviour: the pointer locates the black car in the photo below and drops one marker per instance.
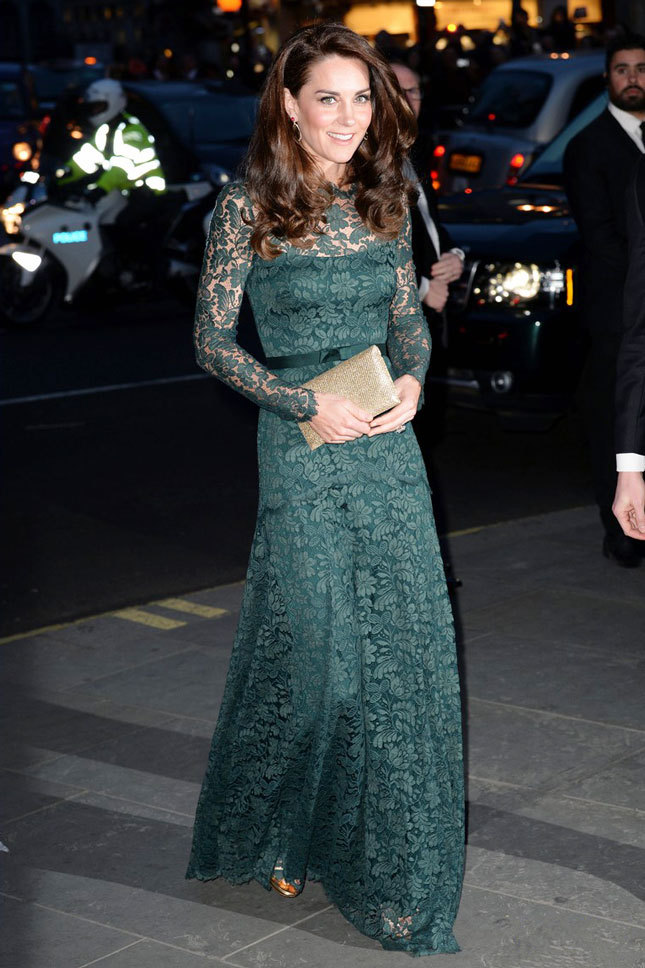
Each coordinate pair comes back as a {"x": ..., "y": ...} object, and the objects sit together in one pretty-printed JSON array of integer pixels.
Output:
[
  {"x": 515, "y": 344},
  {"x": 214, "y": 121}
]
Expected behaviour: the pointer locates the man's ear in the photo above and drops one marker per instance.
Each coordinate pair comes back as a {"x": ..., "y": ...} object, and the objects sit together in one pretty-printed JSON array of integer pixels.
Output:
[{"x": 290, "y": 104}]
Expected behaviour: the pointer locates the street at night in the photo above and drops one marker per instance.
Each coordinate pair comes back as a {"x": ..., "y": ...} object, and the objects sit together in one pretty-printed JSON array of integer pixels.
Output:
[
  {"x": 154, "y": 487},
  {"x": 390, "y": 703}
]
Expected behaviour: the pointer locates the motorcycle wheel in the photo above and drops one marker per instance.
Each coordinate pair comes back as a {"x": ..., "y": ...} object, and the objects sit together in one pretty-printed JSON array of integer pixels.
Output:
[{"x": 23, "y": 306}]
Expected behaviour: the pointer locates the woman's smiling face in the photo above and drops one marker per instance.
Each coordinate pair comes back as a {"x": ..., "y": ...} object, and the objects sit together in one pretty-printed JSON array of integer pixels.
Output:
[{"x": 333, "y": 110}]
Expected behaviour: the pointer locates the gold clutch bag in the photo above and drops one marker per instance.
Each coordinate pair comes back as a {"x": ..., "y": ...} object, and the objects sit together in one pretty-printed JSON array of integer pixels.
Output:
[{"x": 364, "y": 379}]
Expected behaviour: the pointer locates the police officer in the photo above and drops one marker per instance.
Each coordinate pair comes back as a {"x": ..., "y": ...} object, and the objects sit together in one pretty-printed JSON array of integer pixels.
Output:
[
  {"x": 121, "y": 154},
  {"x": 121, "y": 151}
]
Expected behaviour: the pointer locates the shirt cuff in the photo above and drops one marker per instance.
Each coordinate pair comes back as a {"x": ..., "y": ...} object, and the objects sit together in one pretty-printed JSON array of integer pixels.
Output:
[
  {"x": 424, "y": 285},
  {"x": 460, "y": 253},
  {"x": 630, "y": 462}
]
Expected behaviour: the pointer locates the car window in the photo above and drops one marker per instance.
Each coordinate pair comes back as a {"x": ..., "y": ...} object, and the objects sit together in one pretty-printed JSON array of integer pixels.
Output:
[
  {"x": 510, "y": 99},
  {"x": 547, "y": 167},
  {"x": 12, "y": 106},
  {"x": 214, "y": 119},
  {"x": 588, "y": 89},
  {"x": 50, "y": 84}
]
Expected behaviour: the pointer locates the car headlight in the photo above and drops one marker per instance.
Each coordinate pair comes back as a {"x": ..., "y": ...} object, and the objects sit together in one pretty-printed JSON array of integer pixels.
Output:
[
  {"x": 518, "y": 282},
  {"x": 11, "y": 216}
]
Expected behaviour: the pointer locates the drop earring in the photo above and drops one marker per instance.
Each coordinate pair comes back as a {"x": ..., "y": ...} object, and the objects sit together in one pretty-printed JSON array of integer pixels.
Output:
[{"x": 297, "y": 133}]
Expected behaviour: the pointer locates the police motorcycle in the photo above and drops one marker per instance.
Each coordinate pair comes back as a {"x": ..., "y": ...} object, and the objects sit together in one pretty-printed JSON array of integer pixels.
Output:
[{"x": 105, "y": 221}]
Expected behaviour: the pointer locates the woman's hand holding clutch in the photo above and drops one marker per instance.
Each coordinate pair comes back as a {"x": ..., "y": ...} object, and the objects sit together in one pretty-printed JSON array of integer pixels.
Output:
[
  {"x": 338, "y": 419},
  {"x": 408, "y": 389}
]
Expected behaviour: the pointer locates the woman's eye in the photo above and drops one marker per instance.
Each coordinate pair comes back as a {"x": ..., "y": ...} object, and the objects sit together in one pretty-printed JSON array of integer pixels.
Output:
[
  {"x": 328, "y": 99},
  {"x": 363, "y": 98}
]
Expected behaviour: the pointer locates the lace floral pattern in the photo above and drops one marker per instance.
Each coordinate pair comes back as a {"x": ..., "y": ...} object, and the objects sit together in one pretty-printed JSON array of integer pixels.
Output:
[{"x": 338, "y": 743}]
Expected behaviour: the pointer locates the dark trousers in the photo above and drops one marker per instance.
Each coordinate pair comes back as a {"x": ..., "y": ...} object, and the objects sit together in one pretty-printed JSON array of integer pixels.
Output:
[{"x": 598, "y": 390}]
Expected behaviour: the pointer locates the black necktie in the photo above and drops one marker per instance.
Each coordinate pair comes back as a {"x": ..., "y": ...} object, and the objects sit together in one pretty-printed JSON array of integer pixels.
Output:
[{"x": 642, "y": 127}]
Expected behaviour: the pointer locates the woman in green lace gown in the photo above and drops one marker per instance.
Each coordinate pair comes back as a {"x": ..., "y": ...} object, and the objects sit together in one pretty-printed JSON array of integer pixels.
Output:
[{"x": 337, "y": 752}]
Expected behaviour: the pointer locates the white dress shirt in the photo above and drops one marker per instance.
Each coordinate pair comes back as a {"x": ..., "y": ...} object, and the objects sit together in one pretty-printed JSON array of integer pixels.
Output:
[
  {"x": 428, "y": 221},
  {"x": 629, "y": 123},
  {"x": 632, "y": 126},
  {"x": 630, "y": 462},
  {"x": 432, "y": 231}
]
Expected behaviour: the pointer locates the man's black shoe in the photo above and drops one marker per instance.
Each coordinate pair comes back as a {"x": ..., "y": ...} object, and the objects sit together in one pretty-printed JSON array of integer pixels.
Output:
[{"x": 623, "y": 550}]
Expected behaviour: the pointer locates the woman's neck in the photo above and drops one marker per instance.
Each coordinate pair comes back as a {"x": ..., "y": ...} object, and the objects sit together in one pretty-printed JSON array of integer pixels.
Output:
[{"x": 336, "y": 175}]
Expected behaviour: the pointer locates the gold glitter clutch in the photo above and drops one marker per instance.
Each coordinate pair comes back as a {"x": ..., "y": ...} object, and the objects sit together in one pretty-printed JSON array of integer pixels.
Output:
[{"x": 364, "y": 379}]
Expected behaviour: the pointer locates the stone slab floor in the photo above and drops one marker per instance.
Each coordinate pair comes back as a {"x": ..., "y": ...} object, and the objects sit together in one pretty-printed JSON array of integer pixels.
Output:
[{"x": 101, "y": 767}]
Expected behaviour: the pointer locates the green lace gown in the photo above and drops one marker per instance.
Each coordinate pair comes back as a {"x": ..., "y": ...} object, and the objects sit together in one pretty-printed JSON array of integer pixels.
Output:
[{"x": 338, "y": 744}]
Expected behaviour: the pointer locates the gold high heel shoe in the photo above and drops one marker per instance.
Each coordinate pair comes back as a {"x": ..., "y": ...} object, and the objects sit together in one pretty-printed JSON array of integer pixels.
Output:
[{"x": 281, "y": 885}]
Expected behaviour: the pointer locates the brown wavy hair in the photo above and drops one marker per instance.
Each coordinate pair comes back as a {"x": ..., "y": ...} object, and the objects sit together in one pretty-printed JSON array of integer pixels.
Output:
[{"x": 287, "y": 189}]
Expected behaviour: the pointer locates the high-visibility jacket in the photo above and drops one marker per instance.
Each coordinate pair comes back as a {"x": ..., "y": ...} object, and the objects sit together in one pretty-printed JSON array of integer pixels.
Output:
[{"x": 122, "y": 153}]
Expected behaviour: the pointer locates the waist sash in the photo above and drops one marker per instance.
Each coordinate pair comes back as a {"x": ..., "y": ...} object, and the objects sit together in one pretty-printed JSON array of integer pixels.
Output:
[{"x": 329, "y": 355}]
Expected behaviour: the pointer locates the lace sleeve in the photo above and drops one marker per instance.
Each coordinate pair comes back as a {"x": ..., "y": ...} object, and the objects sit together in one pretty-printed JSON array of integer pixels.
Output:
[
  {"x": 408, "y": 340},
  {"x": 227, "y": 261}
]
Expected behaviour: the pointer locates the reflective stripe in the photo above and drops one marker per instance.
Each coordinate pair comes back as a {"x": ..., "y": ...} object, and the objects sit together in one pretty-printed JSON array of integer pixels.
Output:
[
  {"x": 121, "y": 147},
  {"x": 88, "y": 158},
  {"x": 156, "y": 183},
  {"x": 134, "y": 171},
  {"x": 100, "y": 138}
]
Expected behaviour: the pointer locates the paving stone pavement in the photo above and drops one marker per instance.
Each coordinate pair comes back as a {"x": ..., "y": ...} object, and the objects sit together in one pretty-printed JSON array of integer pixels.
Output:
[{"x": 101, "y": 766}]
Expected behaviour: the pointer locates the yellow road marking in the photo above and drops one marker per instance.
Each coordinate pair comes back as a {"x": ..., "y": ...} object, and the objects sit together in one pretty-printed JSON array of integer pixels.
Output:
[
  {"x": 41, "y": 631},
  {"x": 458, "y": 534},
  {"x": 148, "y": 618},
  {"x": 192, "y": 608}
]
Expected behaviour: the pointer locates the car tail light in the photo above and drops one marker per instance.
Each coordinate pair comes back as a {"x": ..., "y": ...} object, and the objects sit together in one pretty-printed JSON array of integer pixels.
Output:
[
  {"x": 45, "y": 121},
  {"x": 516, "y": 163},
  {"x": 438, "y": 152}
]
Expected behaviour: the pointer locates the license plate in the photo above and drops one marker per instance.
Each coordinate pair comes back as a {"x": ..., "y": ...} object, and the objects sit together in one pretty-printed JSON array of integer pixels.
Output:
[{"x": 471, "y": 164}]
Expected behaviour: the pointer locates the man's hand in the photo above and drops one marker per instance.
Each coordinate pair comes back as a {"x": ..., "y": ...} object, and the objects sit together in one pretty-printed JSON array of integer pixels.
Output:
[
  {"x": 629, "y": 504},
  {"x": 448, "y": 268},
  {"x": 437, "y": 294}
]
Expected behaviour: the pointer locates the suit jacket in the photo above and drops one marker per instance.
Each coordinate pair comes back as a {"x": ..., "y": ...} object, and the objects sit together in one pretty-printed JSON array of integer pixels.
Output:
[
  {"x": 598, "y": 165},
  {"x": 423, "y": 250},
  {"x": 630, "y": 373}
]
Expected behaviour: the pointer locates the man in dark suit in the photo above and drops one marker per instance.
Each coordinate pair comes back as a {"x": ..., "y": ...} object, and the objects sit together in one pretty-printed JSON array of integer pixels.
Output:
[
  {"x": 438, "y": 262},
  {"x": 629, "y": 503},
  {"x": 598, "y": 165}
]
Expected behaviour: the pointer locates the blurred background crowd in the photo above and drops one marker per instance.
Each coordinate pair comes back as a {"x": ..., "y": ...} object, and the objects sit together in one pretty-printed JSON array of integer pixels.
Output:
[{"x": 453, "y": 44}]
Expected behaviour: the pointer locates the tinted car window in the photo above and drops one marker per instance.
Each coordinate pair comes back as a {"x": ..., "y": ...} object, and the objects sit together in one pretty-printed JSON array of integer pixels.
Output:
[
  {"x": 50, "y": 83},
  {"x": 547, "y": 167},
  {"x": 510, "y": 99},
  {"x": 12, "y": 106},
  {"x": 216, "y": 118}
]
